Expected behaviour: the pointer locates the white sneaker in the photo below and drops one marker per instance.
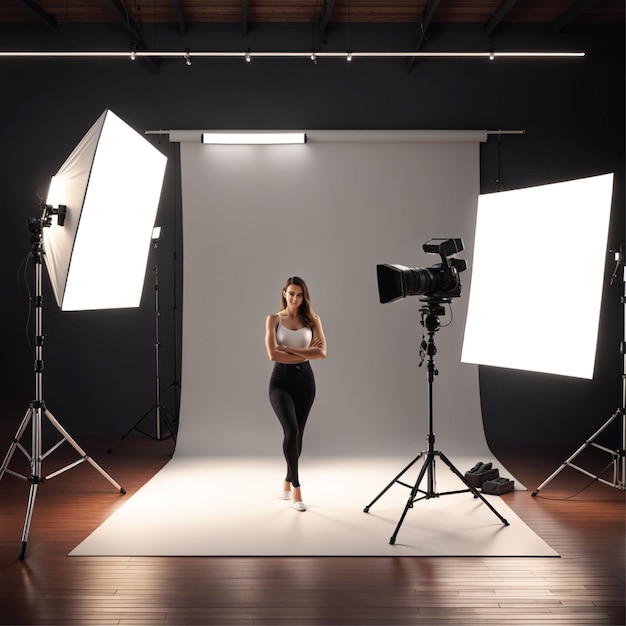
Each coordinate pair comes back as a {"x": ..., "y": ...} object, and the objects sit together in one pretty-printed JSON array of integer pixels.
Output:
[{"x": 299, "y": 506}]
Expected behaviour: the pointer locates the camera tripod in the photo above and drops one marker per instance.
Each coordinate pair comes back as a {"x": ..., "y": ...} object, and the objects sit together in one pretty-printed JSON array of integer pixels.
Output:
[
  {"x": 618, "y": 455},
  {"x": 430, "y": 311},
  {"x": 37, "y": 408}
]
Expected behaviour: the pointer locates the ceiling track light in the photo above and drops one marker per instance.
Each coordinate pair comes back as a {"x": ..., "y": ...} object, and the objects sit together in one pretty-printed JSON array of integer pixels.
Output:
[
  {"x": 349, "y": 55},
  {"x": 248, "y": 57},
  {"x": 133, "y": 54},
  {"x": 314, "y": 56}
]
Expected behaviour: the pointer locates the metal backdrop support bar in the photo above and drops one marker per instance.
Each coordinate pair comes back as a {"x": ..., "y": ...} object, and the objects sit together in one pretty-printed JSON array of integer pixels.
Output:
[
  {"x": 618, "y": 455},
  {"x": 37, "y": 408}
]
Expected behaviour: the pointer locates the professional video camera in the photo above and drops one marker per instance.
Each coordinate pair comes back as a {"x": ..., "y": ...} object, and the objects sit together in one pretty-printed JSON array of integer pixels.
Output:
[{"x": 439, "y": 281}]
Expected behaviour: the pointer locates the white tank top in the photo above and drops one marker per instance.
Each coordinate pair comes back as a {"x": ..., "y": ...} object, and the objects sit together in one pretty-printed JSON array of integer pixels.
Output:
[{"x": 300, "y": 338}]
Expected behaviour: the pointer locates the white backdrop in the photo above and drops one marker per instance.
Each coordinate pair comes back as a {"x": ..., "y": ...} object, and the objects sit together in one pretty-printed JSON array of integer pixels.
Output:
[{"x": 328, "y": 211}]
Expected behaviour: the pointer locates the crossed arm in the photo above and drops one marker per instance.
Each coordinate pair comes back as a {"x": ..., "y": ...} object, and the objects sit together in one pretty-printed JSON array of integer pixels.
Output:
[{"x": 283, "y": 354}]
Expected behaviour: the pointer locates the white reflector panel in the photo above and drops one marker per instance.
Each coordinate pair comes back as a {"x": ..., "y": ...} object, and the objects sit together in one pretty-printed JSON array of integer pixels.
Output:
[
  {"x": 111, "y": 184},
  {"x": 537, "y": 276}
]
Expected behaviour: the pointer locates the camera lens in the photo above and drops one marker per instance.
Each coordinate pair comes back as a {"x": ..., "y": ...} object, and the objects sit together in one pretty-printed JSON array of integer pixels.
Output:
[
  {"x": 397, "y": 281},
  {"x": 430, "y": 281}
]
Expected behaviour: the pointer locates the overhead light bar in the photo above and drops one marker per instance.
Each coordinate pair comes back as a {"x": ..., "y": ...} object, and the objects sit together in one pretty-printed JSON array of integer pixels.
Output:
[
  {"x": 248, "y": 55},
  {"x": 256, "y": 138}
]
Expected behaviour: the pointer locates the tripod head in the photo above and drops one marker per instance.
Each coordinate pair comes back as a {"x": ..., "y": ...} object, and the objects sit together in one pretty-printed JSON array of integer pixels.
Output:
[{"x": 431, "y": 309}]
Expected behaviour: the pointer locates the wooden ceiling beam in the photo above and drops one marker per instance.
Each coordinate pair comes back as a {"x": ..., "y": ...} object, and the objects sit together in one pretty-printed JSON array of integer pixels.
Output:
[
  {"x": 180, "y": 17},
  {"x": 424, "y": 24},
  {"x": 38, "y": 12},
  {"x": 244, "y": 17},
  {"x": 498, "y": 15},
  {"x": 329, "y": 5},
  {"x": 571, "y": 14},
  {"x": 422, "y": 29}
]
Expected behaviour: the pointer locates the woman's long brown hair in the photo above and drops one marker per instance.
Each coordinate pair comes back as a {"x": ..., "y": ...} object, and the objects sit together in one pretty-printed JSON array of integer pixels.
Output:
[{"x": 306, "y": 312}]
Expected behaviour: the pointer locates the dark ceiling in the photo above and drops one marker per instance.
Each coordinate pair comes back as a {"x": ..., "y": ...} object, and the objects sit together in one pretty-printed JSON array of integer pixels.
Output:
[{"x": 554, "y": 14}]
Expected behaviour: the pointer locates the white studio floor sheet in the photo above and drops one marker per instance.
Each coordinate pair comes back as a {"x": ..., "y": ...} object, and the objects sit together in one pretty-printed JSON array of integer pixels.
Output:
[
  {"x": 329, "y": 211},
  {"x": 232, "y": 507}
]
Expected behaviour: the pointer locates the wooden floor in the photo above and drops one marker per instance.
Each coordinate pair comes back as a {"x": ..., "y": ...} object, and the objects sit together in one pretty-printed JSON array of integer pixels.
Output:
[{"x": 584, "y": 587}]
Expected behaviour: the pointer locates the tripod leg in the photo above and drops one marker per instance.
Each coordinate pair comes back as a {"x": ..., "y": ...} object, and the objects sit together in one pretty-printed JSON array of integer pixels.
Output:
[
  {"x": 18, "y": 436},
  {"x": 130, "y": 430},
  {"x": 393, "y": 482},
  {"x": 35, "y": 473},
  {"x": 29, "y": 514},
  {"x": 80, "y": 451},
  {"x": 409, "y": 505},
  {"x": 171, "y": 421},
  {"x": 473, "y": 489}
]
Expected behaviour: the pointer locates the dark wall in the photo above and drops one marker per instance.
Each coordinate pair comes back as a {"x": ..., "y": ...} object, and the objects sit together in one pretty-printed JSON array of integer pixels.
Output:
[{"x": 99, "y": 366}]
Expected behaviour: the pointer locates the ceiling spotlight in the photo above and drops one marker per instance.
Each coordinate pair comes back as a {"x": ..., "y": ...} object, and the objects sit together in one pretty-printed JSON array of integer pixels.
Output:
[
  {"x": 133, "y": 54},
  {"x": 349, "y": 56},
  {"x": 187, "y": 58},
  {"x": 492, "y": 54},
  {"x": 248, "y": 55},
  {"x": 314, "y": 56}
]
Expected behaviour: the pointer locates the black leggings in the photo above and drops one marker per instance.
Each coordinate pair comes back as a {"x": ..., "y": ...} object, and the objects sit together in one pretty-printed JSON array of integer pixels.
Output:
[{"x": 292, "y": 391}]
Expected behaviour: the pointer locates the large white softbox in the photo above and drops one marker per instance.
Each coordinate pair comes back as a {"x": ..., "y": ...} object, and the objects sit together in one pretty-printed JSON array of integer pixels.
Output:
[
  {"x": 538, "y": 269},
  {"x": 111, "y": 184}
]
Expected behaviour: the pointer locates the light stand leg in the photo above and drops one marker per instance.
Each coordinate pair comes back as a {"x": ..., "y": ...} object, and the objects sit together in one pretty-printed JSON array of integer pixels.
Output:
[
  {"x": 83, "y": 455},
  {"x": 35, "y": 475},
  {"x": 431, "y": 322},
  {"x": 15, "y": 443},
  {"x": 32, "y": 494}
]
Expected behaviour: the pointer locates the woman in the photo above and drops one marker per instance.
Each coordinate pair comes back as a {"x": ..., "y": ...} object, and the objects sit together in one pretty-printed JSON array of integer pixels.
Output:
[{"x": 293, "y": 337}]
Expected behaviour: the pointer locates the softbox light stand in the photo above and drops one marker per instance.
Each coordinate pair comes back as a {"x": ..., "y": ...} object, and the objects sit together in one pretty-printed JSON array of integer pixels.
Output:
[
  {"x": 618, "y": 455},
  {"x": 38, "y": 410},
  {"x": 161, "y": 413},
  {"x": 430, "y": 311}
]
